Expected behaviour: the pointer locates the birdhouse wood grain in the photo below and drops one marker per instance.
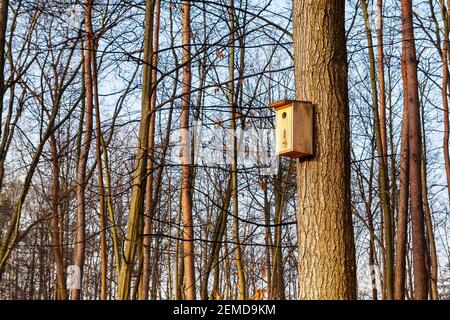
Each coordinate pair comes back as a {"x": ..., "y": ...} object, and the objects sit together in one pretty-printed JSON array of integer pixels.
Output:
[{"x": 294, "y": 128}]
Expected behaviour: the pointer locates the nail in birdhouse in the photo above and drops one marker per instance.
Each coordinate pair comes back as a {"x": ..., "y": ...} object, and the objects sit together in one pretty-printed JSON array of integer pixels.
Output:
[{"x": 294, "y": 128}]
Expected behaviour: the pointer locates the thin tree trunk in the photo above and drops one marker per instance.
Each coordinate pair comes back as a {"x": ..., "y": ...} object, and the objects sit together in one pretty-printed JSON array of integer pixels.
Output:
[
  {"x": 242, "y": 287},
  {"x": 381, "y": 78},
  {"x": 3, "y": 26},
  {"x": 101, "y": 188},
  {"x": 186, "y": 174},
  {"x": 324, "y": 223},
  {"x": 61, "y": 292},
  {"x": 380, "y": 138},
  {"x": 140, "y": 172},
  {"x": 420, "y": 255},
  {"x": 219, "y": 231},
  {"x": 393, "y": 159},
  {"x": 79, "y": 249},
  {"x": 179, "y": 265},
  {"x": 402, "y": 215},
  {"x": 434, "y": 294},
  {"x": 268, "y": 239},
  {"x": 368, "y": 204},
  {"x": 445, "y": 84},
  {"x": 110, "y": 207},
  {"x": 149, "y": 206},
  {"x": 277, "y": 285}
]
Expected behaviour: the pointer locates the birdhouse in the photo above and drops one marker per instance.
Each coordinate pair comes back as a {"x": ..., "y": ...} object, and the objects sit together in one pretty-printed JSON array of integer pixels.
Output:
[{"x": 294, "y": 128}]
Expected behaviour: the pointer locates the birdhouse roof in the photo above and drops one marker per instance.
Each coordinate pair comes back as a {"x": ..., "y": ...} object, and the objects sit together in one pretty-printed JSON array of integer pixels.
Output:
[{"x": 283, "y": 103}]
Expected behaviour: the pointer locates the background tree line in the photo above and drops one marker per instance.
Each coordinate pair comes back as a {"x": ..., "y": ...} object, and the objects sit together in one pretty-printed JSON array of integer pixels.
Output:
[{"x": 91, "y": 93}]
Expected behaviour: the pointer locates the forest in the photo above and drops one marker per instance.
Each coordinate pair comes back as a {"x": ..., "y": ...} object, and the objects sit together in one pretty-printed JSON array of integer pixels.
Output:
[{"x": 141, "y": 150}]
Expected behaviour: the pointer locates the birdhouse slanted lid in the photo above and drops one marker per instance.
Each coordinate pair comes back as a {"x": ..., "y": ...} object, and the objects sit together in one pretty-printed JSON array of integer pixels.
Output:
[{"x": 283, "y": 103}]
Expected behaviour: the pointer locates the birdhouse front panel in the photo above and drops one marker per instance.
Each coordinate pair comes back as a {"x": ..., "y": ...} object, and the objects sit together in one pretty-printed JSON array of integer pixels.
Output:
[
  {"x": 294, "y": 128},
  {"x": 283, "y": 131}
]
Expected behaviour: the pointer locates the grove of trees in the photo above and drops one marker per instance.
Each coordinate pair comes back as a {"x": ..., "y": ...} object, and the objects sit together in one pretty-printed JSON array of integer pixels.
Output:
[{"x": 128, "y": 169}]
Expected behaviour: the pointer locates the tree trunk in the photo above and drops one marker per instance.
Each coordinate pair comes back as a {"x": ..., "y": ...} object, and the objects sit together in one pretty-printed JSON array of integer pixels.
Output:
[
  {"x": 325, "y": 231},
  {"x": 434, "y": 294},
  {"x": 380, "y": 138},
  {"x": 140, "y": 172},
  {"x": 280, "y": 187},
  {"x": 186, "y": 187},
  {"x": 79, "y": 249},
  {"x": 381, "y": 78},
  {"x": 420, "y": 255},
  {"x": 268, "y": 239},
  {"x": 149, "y": 206},
  {"x": 445, "y": 84},
  {"x": 402, "y": 215},
  {"x": 179, "y": 266},
  {"x": 3, "y": 26},
  {"x": 242, "y": 287},
  {"x": 61, "y": 292},
  {"x": 101, "y": 187},
  {"x": 219, "y": 231}
]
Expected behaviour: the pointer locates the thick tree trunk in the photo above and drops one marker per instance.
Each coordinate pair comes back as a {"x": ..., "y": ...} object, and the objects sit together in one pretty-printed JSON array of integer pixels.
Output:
[{"x": 325, "y": 231}]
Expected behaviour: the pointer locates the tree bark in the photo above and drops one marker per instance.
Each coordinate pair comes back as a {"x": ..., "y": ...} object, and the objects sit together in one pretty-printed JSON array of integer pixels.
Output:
[
  {"x": 380, "y": 138},
  {"x": 219, "y": 231},
  {"x": 61, "y": 292},
  {"x": 79, "y": 249},
  {"x": 402, "y": 215},
  {"x": 381, "y": 78},
  {"x": 186, "y": 174},
  {"x": 149, "y": 205},
  {"x": 445, "y": 85},
  {"x": 242, "y": 286},
  {"x": 101, "y": 187},
  {"x": 140, "y": 172},
  {"x": 420, "y": 254},
  {"x": 434, "y": 263},
  {"x": 325, "y": 231},
  {"x": 3, "y": 26}
]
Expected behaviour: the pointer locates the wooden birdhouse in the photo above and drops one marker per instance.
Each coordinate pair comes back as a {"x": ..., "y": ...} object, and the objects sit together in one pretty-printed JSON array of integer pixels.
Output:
[{"x": 294, "y": 128}]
